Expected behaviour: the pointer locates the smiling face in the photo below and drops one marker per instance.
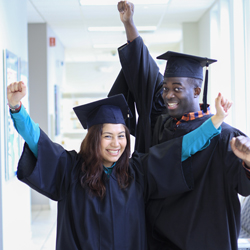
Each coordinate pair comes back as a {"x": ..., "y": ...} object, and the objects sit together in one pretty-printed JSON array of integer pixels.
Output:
[
  {"x": 180, "y": 96},
  {"x": 113, "y": 143}
]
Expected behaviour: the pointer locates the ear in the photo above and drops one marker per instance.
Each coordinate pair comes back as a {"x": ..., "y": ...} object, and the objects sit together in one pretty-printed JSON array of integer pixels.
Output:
[{"x": 197, "y": 91}]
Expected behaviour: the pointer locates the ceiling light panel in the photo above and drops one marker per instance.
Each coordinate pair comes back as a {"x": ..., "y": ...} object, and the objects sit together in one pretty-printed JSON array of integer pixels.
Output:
[
  {"x": 114, "y": 2},
  {"x": 121, "y": 28}
]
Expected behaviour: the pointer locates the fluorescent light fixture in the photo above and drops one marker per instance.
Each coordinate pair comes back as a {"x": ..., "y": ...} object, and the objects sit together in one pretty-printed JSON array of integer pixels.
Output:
[
  {"x": 114, "y": 2},
  {"x": 121, "y": 28},
  {"x": 117, "y": 28},
  {"x": 146, "y": 28},
  {"x": 106, "y": 46}
]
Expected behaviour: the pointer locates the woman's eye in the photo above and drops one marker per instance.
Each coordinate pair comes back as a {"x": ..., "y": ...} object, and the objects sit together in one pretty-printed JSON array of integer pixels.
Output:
[
  {"x": 164, "y": 89},
  {"x": 121, "y": 136},
  {"x": 177, "y": 89}
]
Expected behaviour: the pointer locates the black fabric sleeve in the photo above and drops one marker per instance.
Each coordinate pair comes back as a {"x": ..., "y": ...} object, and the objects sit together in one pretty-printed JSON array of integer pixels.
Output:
[
  {"x": 163, "y": 170},
  {"x": 120, "y": 87},
  {"x": 50, "y": 173},
  {"x": 235, "y": 173},
  {"x": 144, "y": 82}
]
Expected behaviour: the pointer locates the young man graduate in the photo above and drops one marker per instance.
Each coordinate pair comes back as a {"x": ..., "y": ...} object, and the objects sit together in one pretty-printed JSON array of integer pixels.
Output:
[{"x": 168, "y": 107}]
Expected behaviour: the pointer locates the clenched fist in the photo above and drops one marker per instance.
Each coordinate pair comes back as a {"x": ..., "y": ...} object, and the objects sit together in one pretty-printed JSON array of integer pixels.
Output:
[
  {"x": 126, "y": 10},
  {"x": 241, "y": 148},
  {"x": 15, "y": 92}
]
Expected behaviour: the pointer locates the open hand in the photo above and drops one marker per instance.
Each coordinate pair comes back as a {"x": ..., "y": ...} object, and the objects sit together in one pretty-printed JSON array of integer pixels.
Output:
[{"x": 222, "y": 106}]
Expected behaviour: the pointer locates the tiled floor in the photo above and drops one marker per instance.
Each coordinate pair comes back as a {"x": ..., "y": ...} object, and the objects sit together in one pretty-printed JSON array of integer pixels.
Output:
[{"x": 43, "y": 229}]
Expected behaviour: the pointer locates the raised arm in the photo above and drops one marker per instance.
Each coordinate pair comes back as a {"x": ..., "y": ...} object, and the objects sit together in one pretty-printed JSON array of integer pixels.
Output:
[
  {"x": 49, "y": 172},
  {"x": 126, "y": 10},
  {"x": 199, "y": 138},
  {"x": 175, "y": 178},
  {"x": 241, "y": 144},
  {"x": 139, "y": 80},
  {"x": 24, "y": 125}
]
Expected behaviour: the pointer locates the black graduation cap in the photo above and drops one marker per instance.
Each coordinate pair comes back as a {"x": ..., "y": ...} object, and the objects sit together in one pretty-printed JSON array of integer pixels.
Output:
[
  {"x": 113, "y": 109},
  {"x": 184, "y": 65}
]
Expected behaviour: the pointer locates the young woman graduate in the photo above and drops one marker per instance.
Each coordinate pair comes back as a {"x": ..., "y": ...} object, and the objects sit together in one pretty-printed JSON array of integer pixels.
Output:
[{"x": 100, "y": 191}]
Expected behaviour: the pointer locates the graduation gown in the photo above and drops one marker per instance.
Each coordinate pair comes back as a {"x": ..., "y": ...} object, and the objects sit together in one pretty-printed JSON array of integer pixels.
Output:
[
  {"x": 140, "y": 82},
  {"x": 209, "y": 216},
  {"x": 118, "y": 221}
]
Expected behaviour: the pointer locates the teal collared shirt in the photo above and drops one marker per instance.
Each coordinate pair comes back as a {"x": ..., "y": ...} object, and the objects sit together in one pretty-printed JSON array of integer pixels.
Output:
[
  {"x": 109, "y": 170},
  {"x": 27, "y": 128}
]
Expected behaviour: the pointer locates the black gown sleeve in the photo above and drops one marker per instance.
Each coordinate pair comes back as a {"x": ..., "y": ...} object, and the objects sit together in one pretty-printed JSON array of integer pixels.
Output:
[
  {"x": 50, "y": 173},
  {"x": 235, "y": 175},
  {"x": 144, "y": 83},
  {"x": 162, "y": 170},
  {"x": 120, "y": 87}
]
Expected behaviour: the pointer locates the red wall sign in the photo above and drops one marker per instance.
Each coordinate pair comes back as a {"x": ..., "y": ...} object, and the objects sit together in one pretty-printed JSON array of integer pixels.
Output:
[{"x": 52, "y": 41}]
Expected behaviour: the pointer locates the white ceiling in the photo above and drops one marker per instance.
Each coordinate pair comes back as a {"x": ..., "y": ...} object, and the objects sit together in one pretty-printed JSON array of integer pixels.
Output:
[{"x": 70, "y": 22}]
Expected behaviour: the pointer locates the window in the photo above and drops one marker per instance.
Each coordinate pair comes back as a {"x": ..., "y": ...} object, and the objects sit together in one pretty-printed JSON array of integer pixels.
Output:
[{"x": 230, "y": 38}]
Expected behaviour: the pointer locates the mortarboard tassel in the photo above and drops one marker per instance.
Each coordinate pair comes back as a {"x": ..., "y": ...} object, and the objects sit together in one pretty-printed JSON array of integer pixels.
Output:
[{"x": 205, "y": 91}]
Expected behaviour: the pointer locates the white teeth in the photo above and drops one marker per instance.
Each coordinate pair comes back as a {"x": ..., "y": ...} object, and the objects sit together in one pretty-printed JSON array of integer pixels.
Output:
[
  {"x": 172, "y": 104},
  {"x": 113, "y": 151}
]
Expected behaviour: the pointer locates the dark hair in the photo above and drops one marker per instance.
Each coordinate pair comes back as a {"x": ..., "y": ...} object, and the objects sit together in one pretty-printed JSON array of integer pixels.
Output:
[
  {"x": 196, "y": 83},
  {"x": 92, "y": 175}
]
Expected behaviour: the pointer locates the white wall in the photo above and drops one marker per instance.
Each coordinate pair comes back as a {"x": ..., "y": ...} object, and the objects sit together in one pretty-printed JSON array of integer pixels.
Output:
[
  {"x": 92, "y": 77},
  {"x": 46, "y": 69},
  {"x": 221, "y": 36},
  {"x": 190, "y": 38},
  {"x": 38, "y": 78},
  {"x": 14, "y": 195},
  {"x": 56, "y": 76},
  {"x": 196, "y": 41},
  {"x": 205, "y": 50}
]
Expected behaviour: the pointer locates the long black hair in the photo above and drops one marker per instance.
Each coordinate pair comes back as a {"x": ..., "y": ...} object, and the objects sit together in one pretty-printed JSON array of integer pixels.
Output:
[{"x": 92, "y": 174}]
